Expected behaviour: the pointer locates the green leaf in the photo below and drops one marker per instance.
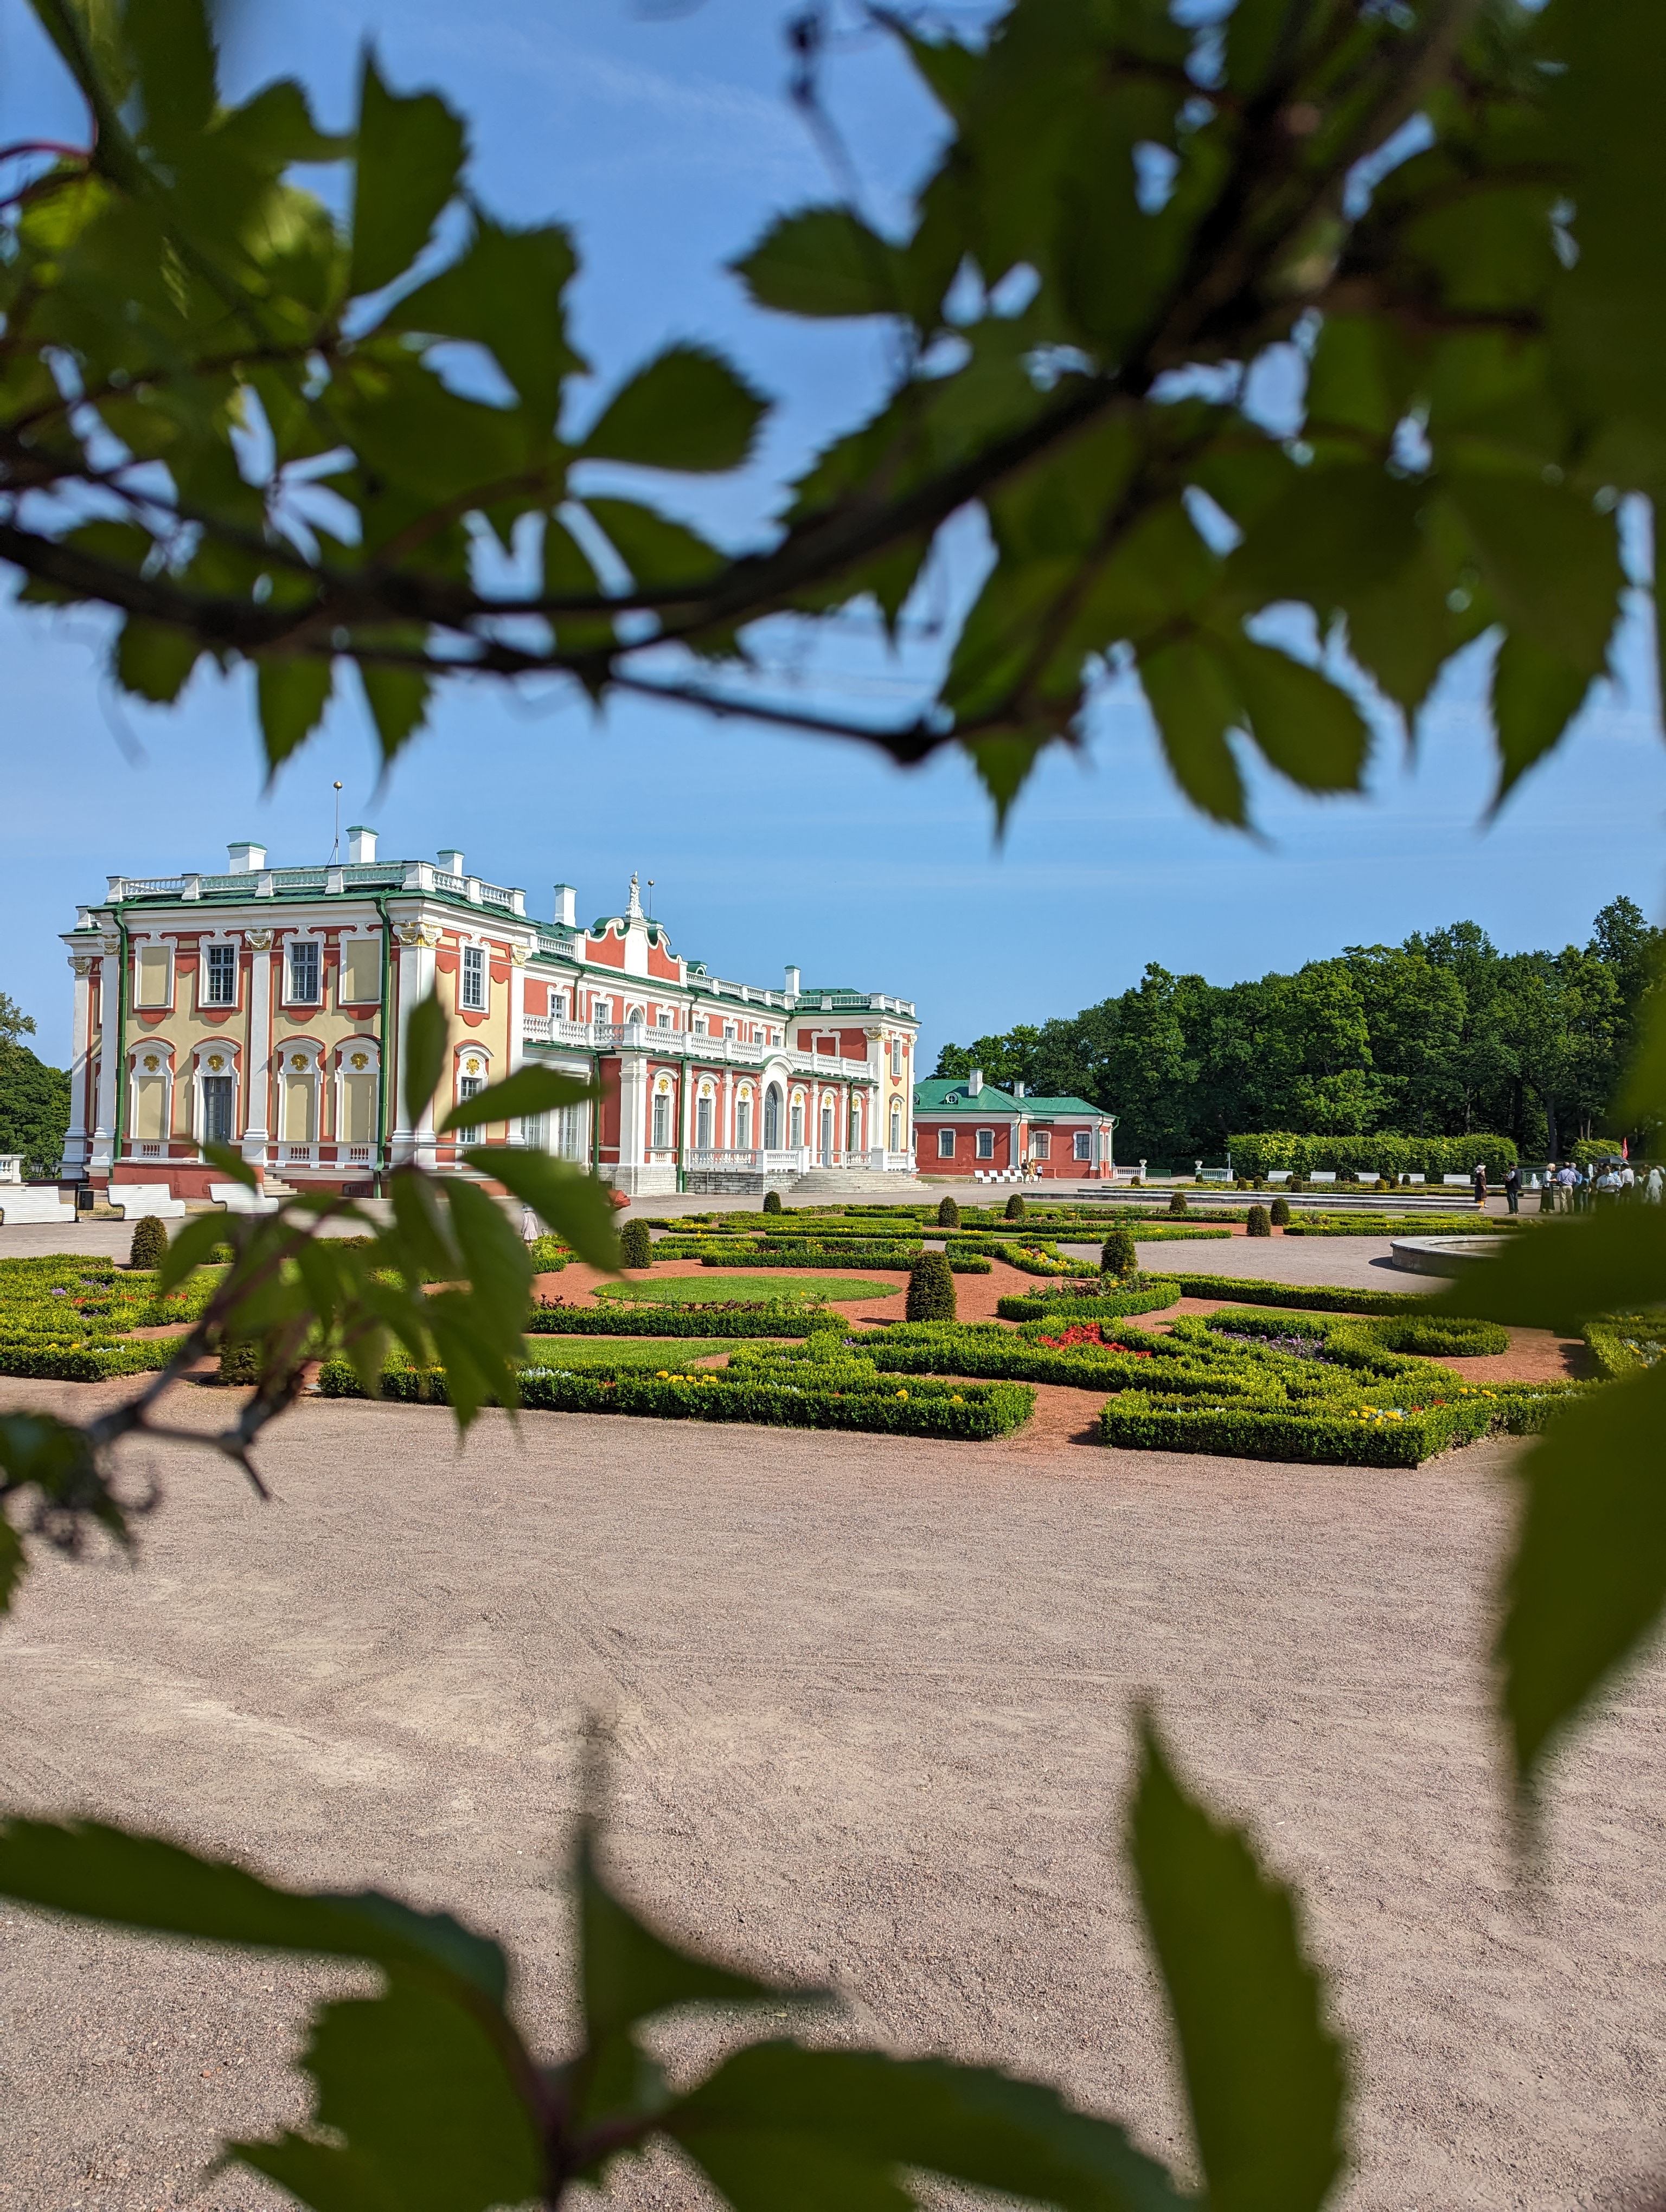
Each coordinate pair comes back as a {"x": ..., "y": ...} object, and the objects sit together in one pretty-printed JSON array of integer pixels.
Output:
[
  {"x": 230, "y": 1163},
  {"x": 12, "y": 1562},
  {"x": 155, "y": 662},
  {"x": 775, "y": 2111},
  {"x": 174, "y": 51},
  {"x": 1192, "y": 699},
  {"x": 55, "y": 1457},
  {"x": 573, "y": 1204},
  {"x": 107, "y": 1874},
  {"x": 428, "y": 2095},
  {"x": 656, "y": 550},
  {"x": 1567, "y": 1271},
  {"x": 499, "y": 1267},
  {"x": 1004, "y": 764},
  {"x": 822, "y": 261},
  {"x": 1264, "y": 2074},
  {"x": 191, "y": 1247},
  {"x": 1334, "y": 533},
  {"x": 1535, "y": 695},
  {"x": 528, "y": 1091},
  {"x": 410, "y": 151},
  {"x": 1588, "y": 1581},
  {"x": 425, "y": 1056},
  {"x": 1305, "y": 726},
  {"x": 628, "y": 1974},
  {"x": 399, "y": 700},
  {"x": 687, "y": 409},
  {"x": 292, "y": 694},
  {"x": 506, "y": 293},
  {"x": 1553, "y": 561}
]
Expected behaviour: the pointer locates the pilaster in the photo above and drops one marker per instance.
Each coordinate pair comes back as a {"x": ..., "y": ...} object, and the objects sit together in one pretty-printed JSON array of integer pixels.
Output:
[
  {"x": 257, "y": 1064},
  {"x": 416, "y": 941}
]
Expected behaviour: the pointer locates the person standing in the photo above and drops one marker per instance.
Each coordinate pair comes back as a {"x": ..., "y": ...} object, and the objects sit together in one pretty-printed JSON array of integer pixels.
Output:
[
  {"x": 1566, "y": 1176},
  {"x": 1512, "y": 1188},
  {"x": 1480, "y": 1180}
]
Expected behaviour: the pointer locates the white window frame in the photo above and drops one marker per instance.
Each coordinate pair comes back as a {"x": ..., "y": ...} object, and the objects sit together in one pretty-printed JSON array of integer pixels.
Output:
[
  {"x": 206, "y": 997},
  {"x": 291, "y": 998},
  {"x": 473, "y": 980},
  {"x": 984, "y": 1145},
  {"x": 1081, "y": 1145},
  {"x": 945, "y": 1143},
  {"x": 895, "y": 1058},
  {"x": 896, "y": 1128},
  {"x": 661, "y": 1138},
  {"x": 469, "y": 1086},
  {"x": 743, "y": 1125},
  {"x": 1041, "y": 1143}
]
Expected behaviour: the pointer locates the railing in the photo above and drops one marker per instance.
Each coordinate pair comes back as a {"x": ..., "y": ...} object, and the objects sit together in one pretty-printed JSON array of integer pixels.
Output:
[
  {"x": 332, "y": 880},
  {"x": 11, "y": 1167},
  {"x": 358, "y": 1156},
  {"x": 150, "y": 1151},
  {"x": 295, "y": 1156}
]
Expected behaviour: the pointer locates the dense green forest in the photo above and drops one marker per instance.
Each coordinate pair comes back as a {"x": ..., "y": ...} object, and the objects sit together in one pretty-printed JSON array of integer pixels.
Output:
[
  {"x": 1437, "y": 1037},
  {"x": 35, "y": 1098}
]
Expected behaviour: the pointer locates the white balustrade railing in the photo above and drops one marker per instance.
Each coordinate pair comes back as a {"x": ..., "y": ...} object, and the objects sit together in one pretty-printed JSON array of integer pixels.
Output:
[
  {"x": 11, "y": 1167},
  {"x": 333, "y": 881},
  {"x": 295, "y": 1156},
  {"x": 709, "y": 1051}
]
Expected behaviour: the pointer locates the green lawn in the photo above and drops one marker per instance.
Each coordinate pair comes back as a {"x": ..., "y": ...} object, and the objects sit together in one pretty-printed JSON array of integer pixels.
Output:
[
  {"x": 652, "y": 1355},
  {"x": 755, "y": 1290}
]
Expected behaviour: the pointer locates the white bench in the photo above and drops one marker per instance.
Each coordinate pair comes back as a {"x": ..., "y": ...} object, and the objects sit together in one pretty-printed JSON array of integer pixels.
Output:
[
  {"x": 136, "y": 1199},
  {"x": 1323, "y": 1174},
  {"x": 1278, "y": 1174},
  {"x": 19, "y": 1202},
  {"x": 238, "y": 1198},
  {"x": 1458, "y": 1181}
]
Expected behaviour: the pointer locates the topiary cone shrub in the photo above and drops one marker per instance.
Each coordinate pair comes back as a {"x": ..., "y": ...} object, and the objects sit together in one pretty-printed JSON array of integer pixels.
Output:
[
  {"x": 948, "y": 1215},
  {"x": 1256, "y": 1223},
  {"x": 931, "y": 1289},
  {"x": 239, "y": 1361},
  {"x": 1281, "y": 1214},
  {"x": 635, "y": 1245},
  {"x": 149, "y": 1243},
  {"x": 1177, "y": 1201},
  {"x": 1117, "y": 1256},
  {"x": 772, "y": 1201},
  {"x": 1015, "y": 1207}
]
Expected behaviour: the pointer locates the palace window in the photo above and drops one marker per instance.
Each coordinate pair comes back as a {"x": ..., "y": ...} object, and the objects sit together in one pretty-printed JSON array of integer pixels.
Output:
[
  {"x": 662, "y": 1120},
  {"x": 468, "y": 1086},
  {"x": 1084, "y": 1146},
  {"x": 303, "y": 971},
  {"x": 795, "y": 1122},
  {"x": 472, "y": 997},
  {"x": 986, "y": 1143},
  {"x": 743, "y": 1125},
  {"x": 945, "y": 1143},
  {"x": 896, "y": 1128},
  {"x": 1041, "y": 1143},
  {"x": 895, "y": 1061},
  {"x": 601, "y": 1010},
  {"x": 664, "y": 1018},
  {"x": 558, "y": 1004},
  {"x": 703, "y": 1124},
  {"x": 220, "y": 979},
  {"x": 854, "y": 1142}
]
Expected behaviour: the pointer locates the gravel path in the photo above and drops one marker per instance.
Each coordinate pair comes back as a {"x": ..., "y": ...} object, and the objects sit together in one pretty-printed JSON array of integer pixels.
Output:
[{"x": 870, "y": 1699}]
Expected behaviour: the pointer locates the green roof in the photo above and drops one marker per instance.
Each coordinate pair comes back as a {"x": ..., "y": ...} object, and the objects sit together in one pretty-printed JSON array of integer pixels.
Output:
[
  {"x": 1043, "y": 1107},
  {"x": 950, "y": 1094}
]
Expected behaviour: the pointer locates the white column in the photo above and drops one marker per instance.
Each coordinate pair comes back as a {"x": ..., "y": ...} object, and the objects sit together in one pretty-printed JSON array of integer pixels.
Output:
[
  {"x": 258, "y": 1052},
  {"x": 85, "y": 966},
  {"x": 416, "y": 982},
  {"x": 726, "y": 1137},
  {"x": 632, "y": 1118},
  {"x": 517, "y": 1008}
]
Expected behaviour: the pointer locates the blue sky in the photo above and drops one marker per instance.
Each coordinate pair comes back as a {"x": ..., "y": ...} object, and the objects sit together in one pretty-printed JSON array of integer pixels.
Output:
[{"x": 666, "y": 140}]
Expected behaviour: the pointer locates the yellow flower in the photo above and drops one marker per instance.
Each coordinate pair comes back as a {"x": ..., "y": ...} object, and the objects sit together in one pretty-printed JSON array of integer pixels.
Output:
[{"x": 902, "y": 1393}]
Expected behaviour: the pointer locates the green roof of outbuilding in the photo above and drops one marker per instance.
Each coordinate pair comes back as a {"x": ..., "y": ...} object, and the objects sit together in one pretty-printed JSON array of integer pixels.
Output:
[
  {"x": 1046, "y": 1106},
  {"x": 940, "y": 1094}
]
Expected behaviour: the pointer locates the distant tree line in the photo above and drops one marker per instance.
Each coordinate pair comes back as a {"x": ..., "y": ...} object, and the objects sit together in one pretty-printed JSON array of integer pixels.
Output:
[
  {"x": 1437, "y": 1037},
  {"x": 35, "y": 1098}
]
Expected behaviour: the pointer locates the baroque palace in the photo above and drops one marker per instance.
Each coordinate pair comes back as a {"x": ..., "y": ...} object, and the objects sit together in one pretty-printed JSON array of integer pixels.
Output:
[{"x": 264, "y": 1009}]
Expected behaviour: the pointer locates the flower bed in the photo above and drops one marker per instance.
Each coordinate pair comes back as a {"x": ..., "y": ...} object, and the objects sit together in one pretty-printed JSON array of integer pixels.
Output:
[
  {"x": 67, "y": 1320},
  {"x": 1627, "y": 1344},
  {"x": 1425, "y": 1336}
]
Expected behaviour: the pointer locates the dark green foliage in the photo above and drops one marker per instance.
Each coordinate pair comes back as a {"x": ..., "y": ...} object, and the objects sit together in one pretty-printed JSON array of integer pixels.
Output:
[
  {"x": 1177, "y": 1202},
  {"x": 34, "y": 1109},
  {"x": 150, "y": 1245},
  {"x": 239, "y": 1361},
  {"x": 635, "y": 1245},
  {"x": 1015, "y": 1207},
  {"x": 1278, "y": 1213},
  {"x": 948, "y": 1215},
  {"x": 772, "y": 1201},
  {"x": 1118, "y": 1255},
  {"x": 1307, "y": 1297},
  {"x": 1256, "y": 1222},
  {"x": 931, "y": 1289}
]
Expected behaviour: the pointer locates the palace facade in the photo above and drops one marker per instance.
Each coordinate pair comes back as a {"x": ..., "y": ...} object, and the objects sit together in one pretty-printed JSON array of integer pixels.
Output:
[{"x": 264, "y": 1008}]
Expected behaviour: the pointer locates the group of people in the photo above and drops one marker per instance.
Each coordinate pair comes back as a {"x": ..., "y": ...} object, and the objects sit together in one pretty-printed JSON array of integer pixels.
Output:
[{"x": 1566, "y": 1190}]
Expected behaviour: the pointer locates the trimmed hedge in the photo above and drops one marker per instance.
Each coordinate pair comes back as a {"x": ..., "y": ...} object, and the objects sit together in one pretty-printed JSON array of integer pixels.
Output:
[
  {"x": 670, "y": 1320},
  {"x": 1029, "y": 1259},
  {"x": 1403, "y": 1225},
  {"x": 1422, "y": 1336},
  {"x": 931, "y": 1289},
  {"x": 150, "y": 1245},
  {"x": 1259, "y": 1154},
  {"x": 635, "y": 1245},
  {"x": 1626, "y": 1344},
  {"x": 1149, "y": 1296},
  {"x": 1315, "y": 1297},
  {"x": 66, "y": 1319}
]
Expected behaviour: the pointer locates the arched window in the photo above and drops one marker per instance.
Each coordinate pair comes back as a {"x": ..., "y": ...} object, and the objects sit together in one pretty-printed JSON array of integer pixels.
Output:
[
  {"x": 772, "y": 1118},
  {"x": 896, "y": 1128}
]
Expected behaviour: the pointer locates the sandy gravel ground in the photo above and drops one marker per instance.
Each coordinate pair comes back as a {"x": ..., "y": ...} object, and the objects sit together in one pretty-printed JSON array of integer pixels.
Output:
[{"x": 870, "y": 1699}]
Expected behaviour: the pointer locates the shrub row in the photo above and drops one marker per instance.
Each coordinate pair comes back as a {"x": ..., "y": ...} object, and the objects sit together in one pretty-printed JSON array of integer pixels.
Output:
[
  {"x": 737, "y": 1320},
  {"x": 1423, "y": 1336},
  {"x": 806, "y": 1391},
  {"x": 1626, "y": 1344},
  {"x": 1258, "y": 1154},
  {"x": 1314, "y": 1297},
  {"x": 856, "y": 1257},
  {"x": 1148, "y": 1296},
  {"x": 1030, "y": 1259},
  {"x": 1402, "y": 1225}
]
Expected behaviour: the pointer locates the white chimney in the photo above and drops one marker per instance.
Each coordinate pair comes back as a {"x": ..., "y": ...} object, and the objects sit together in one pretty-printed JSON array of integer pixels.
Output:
[
  {"x": 1018, "y": 1090},
  {"x": 451, "y": 861},
  {"x": 246, "y": 859},
  {"x": 567, "y": 907},
  {"x": 360, "y": 846},
  {"x": 793, "y": 982},
  {"x": 974, "y": 1083}
]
